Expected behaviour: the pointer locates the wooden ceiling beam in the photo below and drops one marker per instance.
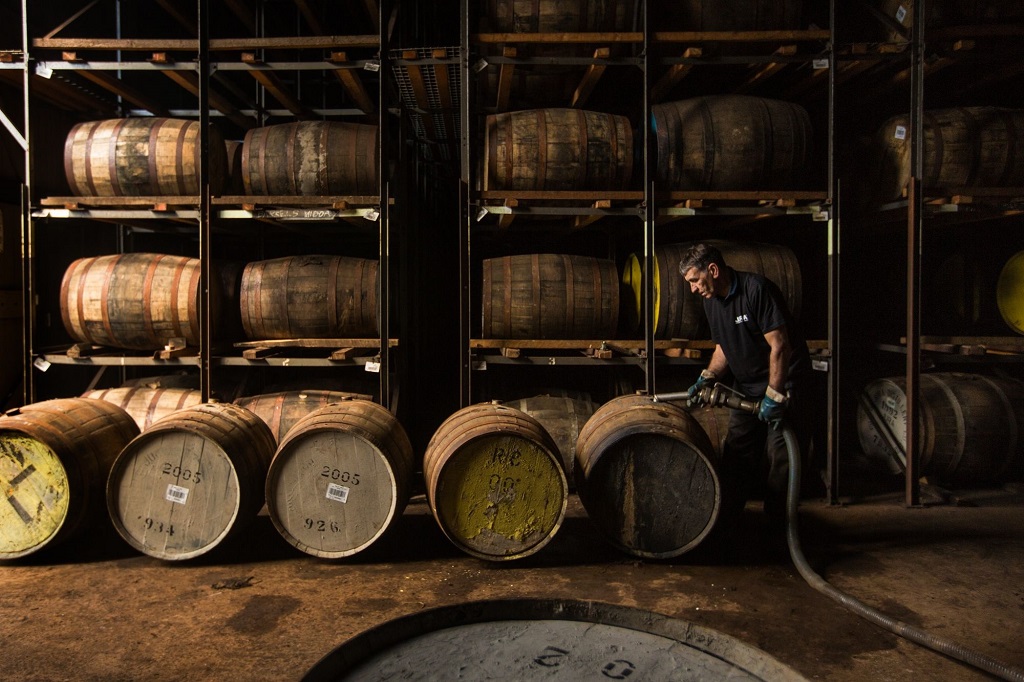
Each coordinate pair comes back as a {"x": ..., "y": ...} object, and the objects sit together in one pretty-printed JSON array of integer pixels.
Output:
[
  {"x": 190, "y": 82},
  {"x": 119, "y": 88},
  {"x": 352, "y": 83},
  {"x": 276, "y": 87}
]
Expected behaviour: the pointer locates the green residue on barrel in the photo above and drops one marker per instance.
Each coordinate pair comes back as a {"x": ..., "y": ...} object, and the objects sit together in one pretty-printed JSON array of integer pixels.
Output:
[{"x": 501, "y": 495}]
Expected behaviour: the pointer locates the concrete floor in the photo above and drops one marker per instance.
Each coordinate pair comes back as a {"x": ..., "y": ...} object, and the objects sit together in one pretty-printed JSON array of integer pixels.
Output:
[{"x": 260, "y": 610}]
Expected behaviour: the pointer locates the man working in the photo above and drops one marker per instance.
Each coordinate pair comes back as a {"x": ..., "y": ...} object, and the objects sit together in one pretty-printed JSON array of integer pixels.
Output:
[{"x": 757, "y": 341}]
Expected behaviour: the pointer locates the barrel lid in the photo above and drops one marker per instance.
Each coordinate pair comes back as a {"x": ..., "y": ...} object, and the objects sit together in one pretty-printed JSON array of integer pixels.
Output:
[
  {"x": 532, "y": 638},
  {"x": 35, "y": 485}
]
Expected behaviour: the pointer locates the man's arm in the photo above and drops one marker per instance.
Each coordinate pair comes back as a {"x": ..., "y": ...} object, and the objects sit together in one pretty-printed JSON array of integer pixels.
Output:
[
  {"x": 778, "y": 358},
  {"x": 718, "y": 365}
]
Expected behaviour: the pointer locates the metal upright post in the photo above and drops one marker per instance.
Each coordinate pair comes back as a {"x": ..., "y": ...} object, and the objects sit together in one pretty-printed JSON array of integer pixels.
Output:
[
  {"x": 649, "y": 212},
  {"x": 27, "y": 227},
  {"x": 466, "y": 216},
  {"x": 833, "y": 382},
  {"x": 914, "y": 236},
  {"x": 384, "y": 217},
  {"x": 205, "y": 255}
]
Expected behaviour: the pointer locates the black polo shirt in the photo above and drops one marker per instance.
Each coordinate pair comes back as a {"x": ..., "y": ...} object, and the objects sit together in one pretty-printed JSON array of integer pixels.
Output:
[{"x": 739, "y": 321}]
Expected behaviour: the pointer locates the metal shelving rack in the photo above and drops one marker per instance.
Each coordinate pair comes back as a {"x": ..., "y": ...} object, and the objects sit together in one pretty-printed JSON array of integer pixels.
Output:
[
  {"x": 650, "y": 206},
  {"x": 202, "y": 216}
]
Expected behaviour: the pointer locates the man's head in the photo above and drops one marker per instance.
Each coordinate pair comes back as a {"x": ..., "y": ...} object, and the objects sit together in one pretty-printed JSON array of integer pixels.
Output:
[{"x": 703, "y": 267}]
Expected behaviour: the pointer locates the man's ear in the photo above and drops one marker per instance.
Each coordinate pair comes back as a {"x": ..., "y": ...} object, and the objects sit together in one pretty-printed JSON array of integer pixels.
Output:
[{"x": 713, "y": 270}]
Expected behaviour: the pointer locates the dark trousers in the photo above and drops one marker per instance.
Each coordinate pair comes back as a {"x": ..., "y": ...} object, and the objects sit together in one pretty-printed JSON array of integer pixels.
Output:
[{"x": 755, "y": 461}]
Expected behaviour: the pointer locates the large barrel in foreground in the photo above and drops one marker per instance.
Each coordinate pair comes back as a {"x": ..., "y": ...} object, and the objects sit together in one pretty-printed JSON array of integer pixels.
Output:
[
  {"x": 190, "y": 481},
  {"x": 970, "y": 426},
  {"x": 309, "y": 297},
  {"x": 731, "y": 142},
  {"x": 648, "y": 477},
  {"x": 963, "y": 147},
  {"x": 311, "y": 158},
  {"x": 549, "y": 296},
  {"x": 495, "y": 483},
  {"x": 678, "y": 312},
  {"x": 558, "y": 150},
  {"x": 135, "y": 300},
  {"x": 54, "y": 460},
  {"x": 340, "y": 479},
  {"x": 140, "y": 157}
]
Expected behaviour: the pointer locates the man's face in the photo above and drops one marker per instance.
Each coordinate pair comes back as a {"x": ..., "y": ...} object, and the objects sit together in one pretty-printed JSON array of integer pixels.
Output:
[{"x": 702, "y": 281}]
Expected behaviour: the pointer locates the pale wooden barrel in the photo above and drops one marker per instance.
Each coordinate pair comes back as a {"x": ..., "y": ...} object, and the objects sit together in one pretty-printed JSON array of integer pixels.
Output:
[
  {"x": 340, "y": 479},
  {"x": 140, "y": 157},
  {"x": 191, "y": 481},
  {"x": 549, "y": 296},
  {"x": 1010, "y": 292},
  {"x": 970, "y": 426},
  {"x": 495, "y": 483},
  {"x": 558, "y": 149},
  {"x": 309, "y": 297},
  {"x": 559, "y": 16},
  {"x": 311, "y": 158},
  {"x": 147, "y": 405},
  {"x": 281, "y": 411},
  {"x": 54, "y": 460},
  {"x": 678, "y": 312},
  {"x": 648, "y": 477},
  {"x": 963, "y": 147},
  {"x": 134, "y": 300},
  {"x": 731, "y": 142},
  {"x": 562, "y": 417}
]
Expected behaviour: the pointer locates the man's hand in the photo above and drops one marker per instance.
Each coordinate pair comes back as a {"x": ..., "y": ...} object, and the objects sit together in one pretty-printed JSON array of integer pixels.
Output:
[
  {"x": 773, "y": 407},
  {"x": 706, "y": 377}
]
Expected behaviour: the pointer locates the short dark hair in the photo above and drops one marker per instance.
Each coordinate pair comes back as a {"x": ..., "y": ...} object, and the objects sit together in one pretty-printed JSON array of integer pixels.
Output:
[{"x": 700, "y": 256}]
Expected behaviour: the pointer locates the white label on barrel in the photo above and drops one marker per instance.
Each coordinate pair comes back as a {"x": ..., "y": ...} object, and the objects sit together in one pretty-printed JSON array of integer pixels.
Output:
[
  {"x": 901, "y": 133},
  {"x": 901, "y": 13},
  {"x": 820, "y": 63},
  {"x": 372, "y": 366},
  {"x": 338, "y": 493},
  {"x": 42, "y": 364},
  {"x": 176, "y": 494}
]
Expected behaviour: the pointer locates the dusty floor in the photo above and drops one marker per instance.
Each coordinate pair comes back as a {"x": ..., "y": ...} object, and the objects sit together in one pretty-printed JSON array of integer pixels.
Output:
[{"x": 260, "y": 610}]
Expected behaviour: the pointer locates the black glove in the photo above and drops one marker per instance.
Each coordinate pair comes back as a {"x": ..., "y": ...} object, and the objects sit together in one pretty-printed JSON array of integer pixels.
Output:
[
  {"x": 706, "y": 377},
  {"x": 772, "y": 409}
]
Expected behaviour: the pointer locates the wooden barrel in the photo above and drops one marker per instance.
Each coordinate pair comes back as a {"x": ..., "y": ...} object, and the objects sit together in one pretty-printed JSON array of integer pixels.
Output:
[
  {"x": 233, "y": 184},
  {"x": 140, "y": 157},
  {"x": 648, "y": 477},
  {"x": 678, "y": 312},
  {"x": 950, "y": 13},
  {"x": 190, "y": 481},
  {"x": 735, "y": 15},
  {"x": 558, "y": 16},
  {"x": 715, "y": 422},
  {"x": 340, "y": 479},
  {"x": 311, "y": 158},
  {"x": 494, "y": 482},
  {"x": 1010, "y": 292},
  {"x": 549, "y": 296},
  {"x": 562, "y": 417},
  {"x": 731, "y": 142},
  {"x": 147, "y": 405},
  {"x": 970, "y": 426},
  {"x": 963, "y": 147},
  {"x": 54, "y": 460},
  {"x": 558, "y": 149},
  {"x": 134, "y": 300},
  {"x": 309, "y": 297},
  {"x": 281, "y": 411}
]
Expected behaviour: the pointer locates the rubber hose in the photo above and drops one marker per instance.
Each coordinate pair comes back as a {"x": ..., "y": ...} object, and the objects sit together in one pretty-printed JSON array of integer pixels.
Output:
[{"x": 905, "y": 630}]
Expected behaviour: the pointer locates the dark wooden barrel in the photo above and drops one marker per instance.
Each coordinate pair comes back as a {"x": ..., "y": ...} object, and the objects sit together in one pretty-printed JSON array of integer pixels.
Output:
[
  {"x": 190, "y": 481},
  {"x": 971, "y": 426},
  {"x": 340, "y": 479},
  {"x": 147, "y": 405},
  {"x": 648, "y": 477},
  {"x": 562, "y": 417},
  {"x": 731, "y": 142},
  {"x": 134, "y": 300},
  {"x": 54, "y": 460},
  {"x": 715, "y": 422},
  {"x": 558, "y": 16},
  {"x": 678, "y": 312},
  {"x": 735, "y": 15},
  {"x": 281, "y": 411},
  {"x": 963, "y": 147},
  {"x": 549, "y": 296},
  {"x": 311, "y": 158},
  {"x": 309, "y": 297},
  {"x": 494, "y": 482},
  {"x": 140, "y": 157},
  {"x": 558, "y": 149},
  {"x": 233, "y": 184}
]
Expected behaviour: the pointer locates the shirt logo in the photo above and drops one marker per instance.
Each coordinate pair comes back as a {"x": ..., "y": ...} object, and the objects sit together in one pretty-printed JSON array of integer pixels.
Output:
[{"x": 740, "y": 319}]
